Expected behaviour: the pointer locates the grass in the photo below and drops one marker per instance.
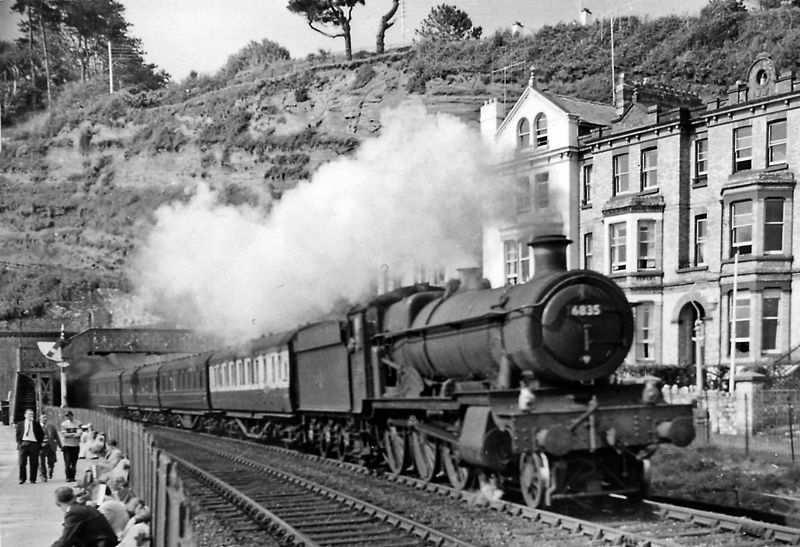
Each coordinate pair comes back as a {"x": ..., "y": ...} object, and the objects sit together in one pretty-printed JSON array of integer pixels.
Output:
[{"x": 726, "y": 476}]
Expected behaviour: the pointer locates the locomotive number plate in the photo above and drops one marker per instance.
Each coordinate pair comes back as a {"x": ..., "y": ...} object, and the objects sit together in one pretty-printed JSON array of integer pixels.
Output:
[{"x": 585, "y": 310}]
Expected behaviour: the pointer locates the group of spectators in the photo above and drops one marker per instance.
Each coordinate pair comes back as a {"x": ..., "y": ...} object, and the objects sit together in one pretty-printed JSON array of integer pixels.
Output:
[{"x": 99, "y": 510}]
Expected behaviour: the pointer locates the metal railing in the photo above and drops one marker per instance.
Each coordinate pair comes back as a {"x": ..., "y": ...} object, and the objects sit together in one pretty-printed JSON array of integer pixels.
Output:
[{"x": 153, "y": 475}]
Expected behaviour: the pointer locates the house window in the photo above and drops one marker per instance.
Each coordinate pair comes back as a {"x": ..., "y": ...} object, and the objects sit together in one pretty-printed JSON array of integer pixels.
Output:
[
  {"x": 618, "y": 246},
  {"x": 541, "y": 190},
  {"x": 770, "y": 312},
  {"x": 742, "y": 227},
  {"x": 773, "y": 225},
  {"x": 518, "y": 262},
  {"x": 523, "y": 133},
  {"x": 620, "y": 166},
  {"x": 586, "y": 192},
  {"x": 776, "y": 142},
  {"x": 701, "y": 158},
  {"x": 523, "y": 194},
  {"x": 587, "y": 251},
  {"x": 649, "y": 168},
  {"x": 644, "y": 331},
  {"x": 740, "y": 322},
  {"x": 511, "y": 253},
  {"x": 742, "y": 148},
  {"x": 700, "y": 234},
  {"x": 540, "y": 126},
  {"x": 647, "y": 244}
]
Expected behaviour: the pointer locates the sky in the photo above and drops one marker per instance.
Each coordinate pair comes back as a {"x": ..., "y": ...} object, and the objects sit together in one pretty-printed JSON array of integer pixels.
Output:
[{"x": 184, "y": 35}]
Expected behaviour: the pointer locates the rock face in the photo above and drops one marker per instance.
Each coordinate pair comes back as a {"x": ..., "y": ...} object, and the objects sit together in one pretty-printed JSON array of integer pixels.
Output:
[{"x": 79, "y": 184}]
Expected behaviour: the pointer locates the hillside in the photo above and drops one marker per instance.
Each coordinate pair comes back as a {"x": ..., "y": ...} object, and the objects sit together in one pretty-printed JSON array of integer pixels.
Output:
[
  {"x": 79, "y": 188},
  {"x": 80, "y": 182}
]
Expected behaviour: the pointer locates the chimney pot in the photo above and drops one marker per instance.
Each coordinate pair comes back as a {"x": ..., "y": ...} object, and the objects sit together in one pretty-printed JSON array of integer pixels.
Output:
[{"x": 549, "y": 253}]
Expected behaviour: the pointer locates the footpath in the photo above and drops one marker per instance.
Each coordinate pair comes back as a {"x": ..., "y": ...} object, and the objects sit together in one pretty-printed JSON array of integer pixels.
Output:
[{"x": 29, "y": 516}]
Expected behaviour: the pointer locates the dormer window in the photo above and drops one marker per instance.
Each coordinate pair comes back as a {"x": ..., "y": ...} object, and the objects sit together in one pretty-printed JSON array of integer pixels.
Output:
[
  {"x": 541, "y": 130},
  {"x": 523, "y": 133}
]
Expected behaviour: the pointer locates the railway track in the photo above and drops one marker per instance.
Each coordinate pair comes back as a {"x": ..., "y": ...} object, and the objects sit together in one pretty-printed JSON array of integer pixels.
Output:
[
  {"x": 645, "y": 524},
  {"x": 262, "y": 499}
]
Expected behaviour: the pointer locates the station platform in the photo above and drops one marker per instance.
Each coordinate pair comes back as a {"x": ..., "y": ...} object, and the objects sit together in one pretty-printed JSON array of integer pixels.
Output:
[{"x": 29, "y": 515}]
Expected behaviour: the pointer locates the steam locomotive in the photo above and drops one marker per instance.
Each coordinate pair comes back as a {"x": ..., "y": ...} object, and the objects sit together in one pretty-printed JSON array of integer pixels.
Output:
[{"x": 514, "y": 384}]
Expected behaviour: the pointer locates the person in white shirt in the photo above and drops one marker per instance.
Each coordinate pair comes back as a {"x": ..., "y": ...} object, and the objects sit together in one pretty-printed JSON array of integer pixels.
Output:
[
  {"x": 70, "y": 444},
  {"x": 29, "y": 439}
]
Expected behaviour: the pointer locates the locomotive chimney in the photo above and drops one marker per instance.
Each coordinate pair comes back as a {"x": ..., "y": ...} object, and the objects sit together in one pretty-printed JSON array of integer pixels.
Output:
[
  {"x": 471, "y": 279},
  {"x": 549, "y": 253}
]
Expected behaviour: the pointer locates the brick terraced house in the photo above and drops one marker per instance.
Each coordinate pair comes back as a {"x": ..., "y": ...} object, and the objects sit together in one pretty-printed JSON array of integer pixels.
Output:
[{"x": 675, "y": 199}]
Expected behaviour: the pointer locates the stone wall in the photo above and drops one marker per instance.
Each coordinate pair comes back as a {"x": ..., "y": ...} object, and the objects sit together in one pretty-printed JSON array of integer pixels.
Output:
[{"x": 726, "y": 414}]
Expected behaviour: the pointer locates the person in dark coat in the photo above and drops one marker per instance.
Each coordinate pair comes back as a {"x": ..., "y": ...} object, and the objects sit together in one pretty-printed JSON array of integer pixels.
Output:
[
  {"x": 84, "y": 525},
  {"x": 29, "y": 439},
  {"x": 47, "y": 453}
]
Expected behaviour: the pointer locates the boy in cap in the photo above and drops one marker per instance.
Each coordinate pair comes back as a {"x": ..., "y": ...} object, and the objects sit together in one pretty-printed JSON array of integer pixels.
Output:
[{"x": 70, "y": 444}]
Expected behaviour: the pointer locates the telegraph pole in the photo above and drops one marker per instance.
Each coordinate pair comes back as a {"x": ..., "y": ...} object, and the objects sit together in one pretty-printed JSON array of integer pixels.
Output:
[
  {"x": 110, "y": 70},
  {"x": 505, "y": 70},
  {"x": 613, "y": 70},
  {"x": 732, "y": 313}
]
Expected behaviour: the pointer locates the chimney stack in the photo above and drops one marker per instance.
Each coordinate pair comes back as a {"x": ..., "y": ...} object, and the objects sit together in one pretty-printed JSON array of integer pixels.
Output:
[
  {"x": 471, "y": 279},
  {"x": 549, "y": 253}
]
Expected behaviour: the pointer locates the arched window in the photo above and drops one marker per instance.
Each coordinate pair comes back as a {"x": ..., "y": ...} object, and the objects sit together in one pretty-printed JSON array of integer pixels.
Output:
[
  {"x": 523, "y": 133},
  {"x": 540, "y": 126}
]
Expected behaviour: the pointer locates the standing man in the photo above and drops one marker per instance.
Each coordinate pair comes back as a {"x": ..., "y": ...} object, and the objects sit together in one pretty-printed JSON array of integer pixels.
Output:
[
  {"x": 47, "y": 453},
  {"x": 29, "y": 438},
  {"x": 83, "y": 524},
  {"x": 71, "y": 433}
]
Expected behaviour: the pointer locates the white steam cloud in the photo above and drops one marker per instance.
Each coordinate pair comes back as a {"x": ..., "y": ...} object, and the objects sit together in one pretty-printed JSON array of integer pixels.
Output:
[{"x": 417, "y": 194}]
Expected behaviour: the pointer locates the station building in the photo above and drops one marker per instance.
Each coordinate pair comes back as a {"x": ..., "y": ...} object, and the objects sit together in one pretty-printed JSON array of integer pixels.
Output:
[{"x": 688, "y": 205}]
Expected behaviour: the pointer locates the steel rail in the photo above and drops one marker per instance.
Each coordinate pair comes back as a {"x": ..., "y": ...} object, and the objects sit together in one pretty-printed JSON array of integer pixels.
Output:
[
  {"x": 410, "y": 526},
  {"x": 756, "y": 529},
  {"x": 245, "y": 502}
]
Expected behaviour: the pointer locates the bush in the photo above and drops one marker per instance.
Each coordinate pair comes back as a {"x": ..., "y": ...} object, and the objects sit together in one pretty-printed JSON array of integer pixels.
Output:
[{"x": 364, "y": 74}]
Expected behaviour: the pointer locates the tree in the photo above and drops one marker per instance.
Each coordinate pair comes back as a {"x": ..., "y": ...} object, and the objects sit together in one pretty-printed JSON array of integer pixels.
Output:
[
  {"x": 94, "y": 24},
  {"x": 255, "y": 55},
  {"x": 448, "y": 23},
  {"x": 333, "y": 14},
  {"x": 719, "y": 21},
  {"x": 385, "y": 24}
]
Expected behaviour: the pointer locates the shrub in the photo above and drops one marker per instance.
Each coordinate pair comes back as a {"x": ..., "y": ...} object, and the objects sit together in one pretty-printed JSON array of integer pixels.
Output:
[{"x": 364, "y": 74}]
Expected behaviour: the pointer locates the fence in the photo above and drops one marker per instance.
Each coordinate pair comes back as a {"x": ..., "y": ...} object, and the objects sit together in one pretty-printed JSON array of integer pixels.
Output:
[
  {"x": 757, "y": 422},
  {"x": 153, "y": 475}
]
